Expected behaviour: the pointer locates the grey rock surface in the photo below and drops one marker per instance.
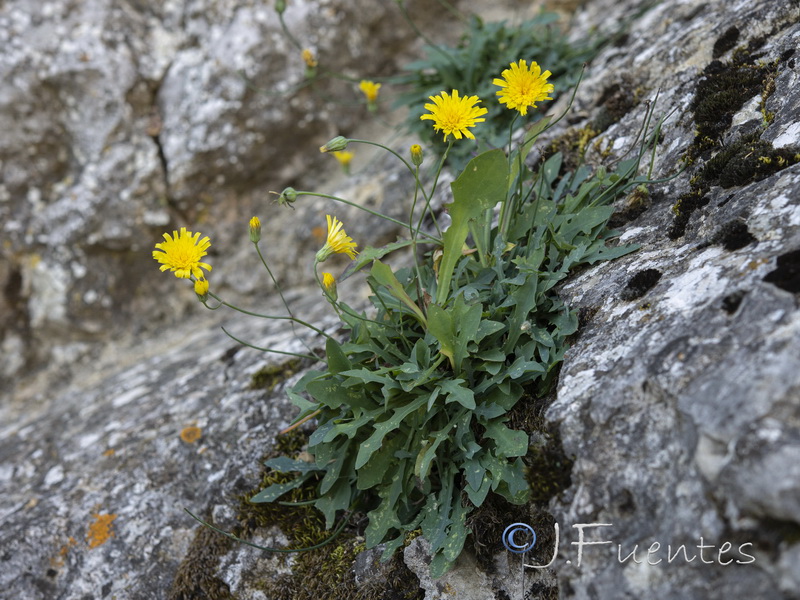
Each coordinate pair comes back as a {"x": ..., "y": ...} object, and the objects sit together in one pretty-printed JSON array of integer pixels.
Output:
[
  {"x": 122, "y": 120},
  {"x": 679, "y": 399}
]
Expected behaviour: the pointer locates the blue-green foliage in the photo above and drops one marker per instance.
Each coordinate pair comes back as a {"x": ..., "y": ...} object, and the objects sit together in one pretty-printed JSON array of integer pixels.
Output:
[{"x": 412, "y": 408}]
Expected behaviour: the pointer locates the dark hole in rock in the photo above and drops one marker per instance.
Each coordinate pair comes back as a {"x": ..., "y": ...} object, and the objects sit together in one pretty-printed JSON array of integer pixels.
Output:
[
  {"x": 787, "y": 274},
  {"x": 640, "y": 284},
  {"x": 731, "y": 302},
  {"x": 733, "y": 235}
]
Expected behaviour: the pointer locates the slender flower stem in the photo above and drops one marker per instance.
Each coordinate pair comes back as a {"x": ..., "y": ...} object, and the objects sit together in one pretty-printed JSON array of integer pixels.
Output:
[
  {"x": 507, "y": 207},
  {"x": 288, "y": 33},
  {"x": 262, "y": 349},
  {"x": 415, "y": 172},
  {"x": 372, "y": 212},
  {"x": 433, "y": 190},
  {"x": 260, "y": 316},
  {"x": 274, "y": 281}
]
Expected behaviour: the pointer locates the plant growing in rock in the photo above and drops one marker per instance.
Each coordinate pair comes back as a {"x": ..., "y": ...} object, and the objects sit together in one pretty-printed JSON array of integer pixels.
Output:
[
  {"x": 411, "y": 406},
  {"x": 484, "y": 49}
]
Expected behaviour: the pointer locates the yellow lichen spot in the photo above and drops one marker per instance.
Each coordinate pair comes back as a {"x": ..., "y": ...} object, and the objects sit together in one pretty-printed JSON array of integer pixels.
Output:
[
  {"x": 191, "y": 434},
  {"x": 100, "y": 530},
  {"x": 109, "y": 452}
]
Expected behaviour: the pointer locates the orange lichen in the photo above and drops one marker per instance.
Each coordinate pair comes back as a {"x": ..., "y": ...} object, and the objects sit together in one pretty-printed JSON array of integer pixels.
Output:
[
  {"x": 191, "y": 434},
  {"x": 100, "y": 530},
  {"x": 109, "y": 452}
]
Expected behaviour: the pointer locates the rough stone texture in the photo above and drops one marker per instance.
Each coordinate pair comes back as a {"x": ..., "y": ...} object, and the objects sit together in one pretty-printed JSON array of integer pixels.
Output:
[
  {"x": 681, "y": 403},
  {"x": 122, "y": 120},
  {"x": 679, "y": 400}
]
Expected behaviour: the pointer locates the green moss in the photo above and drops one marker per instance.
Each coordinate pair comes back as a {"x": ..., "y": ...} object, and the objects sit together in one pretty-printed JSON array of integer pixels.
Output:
[
  {"x": 720, "y": 94},
  {"x": 747, "y": 160},
  {"x": 267, "y": 377},
  {"x": 195, "y": 578},
  {"x": 572, "y": 145},
  {"x": 325, "y": 573}
]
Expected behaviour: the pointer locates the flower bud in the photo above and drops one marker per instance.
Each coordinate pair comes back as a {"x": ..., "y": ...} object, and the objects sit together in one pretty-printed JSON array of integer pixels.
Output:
[
  {"x": 416, "y": 154},
  {"x": 201, "y": 289},
  {"x": 287, "y": 197},
  {"x": 336, "y": 144},
  {"x": 255, "y": 230},
  {"x": 329, "y": 286},
  {"x": 280, "y": 6}
]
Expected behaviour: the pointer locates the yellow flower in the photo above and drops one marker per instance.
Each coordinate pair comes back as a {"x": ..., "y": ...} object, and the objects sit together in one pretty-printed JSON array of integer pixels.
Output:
[
  {"x": 308, "y": 57},
  {"x": 338, "y": 241},
  {"x": 182, "y": 252},
  {"x": 344, "y": 157},
  {"x": 255, "y": 230},
  {"x": 455, "y": 115},
  {"x": 523, "y": 87},
  {"x": 329, "y": 286},
  {"x": 370, "y": 90},
  {"x": 201, "y": 288}
]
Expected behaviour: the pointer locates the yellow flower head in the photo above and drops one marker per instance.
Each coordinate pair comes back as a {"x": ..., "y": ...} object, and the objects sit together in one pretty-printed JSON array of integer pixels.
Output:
[
  {"x": 455, "y": 115},
  {"x": 308, "y": 57},
  {"x": 344, "y": 157},
  {"x": 337, "y": 242},
  {"x": 523, "y": 87},
  {"x": 182, "y": 252},
  {"x": 370, "y": 89},
  {"x": 329, "y": 286},
  {"x": 201, "y": 288},
  {"x": 255, "y": 229}
]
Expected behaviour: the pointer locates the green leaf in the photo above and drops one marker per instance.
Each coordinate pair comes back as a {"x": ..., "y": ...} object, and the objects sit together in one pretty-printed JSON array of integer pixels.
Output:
[
  {"x": 368, "y": 254},
  {"x": 337, "y": 360},
  {"x": 508, "y": 442},
  {"x": 480, "y": 186},
  {"x": 337, "y": 499},
  {"x": 284, "y": 464},
  {"x": 331, "y": 393},
  {"x": 382, "y": 273},
  {"x": 373, "y": 443},
  {"x": 440, "y": 324},
  {"x": 381, "y": 520},
  {"x": 457, "y": 392},
  {"x": 276, "y": 490}
]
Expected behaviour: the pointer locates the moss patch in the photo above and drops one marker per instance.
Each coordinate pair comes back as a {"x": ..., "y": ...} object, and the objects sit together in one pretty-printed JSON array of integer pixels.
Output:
[
  {"x": 196, "y": 576},
  {"x": 325, "y": 573},
  {"x": 267, "y": 377},
  {"x": 720, "y": 94}
]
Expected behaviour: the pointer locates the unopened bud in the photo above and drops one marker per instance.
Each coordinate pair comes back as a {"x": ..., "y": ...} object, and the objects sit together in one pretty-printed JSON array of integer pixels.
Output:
[
  {"x": 280, "y": 6},
  {"x": 201, "y": 289},
  {"x": 255, "y": 230},
  {"x": 329, "y": 286},
  {"x": 416, "y": 154},
  {"x": 335, "y": 145},
  {"x": 286, "y": 197}
]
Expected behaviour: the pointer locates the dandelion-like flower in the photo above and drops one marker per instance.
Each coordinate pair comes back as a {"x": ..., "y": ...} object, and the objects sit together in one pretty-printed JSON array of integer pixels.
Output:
[
  {"x": 454, "y": 115},
  {"x": 181, "y": 254},
  {"x": 523, "y": 86},
  {"x": 369, "y": 89},
  {"x": 337, "y": 242}
]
